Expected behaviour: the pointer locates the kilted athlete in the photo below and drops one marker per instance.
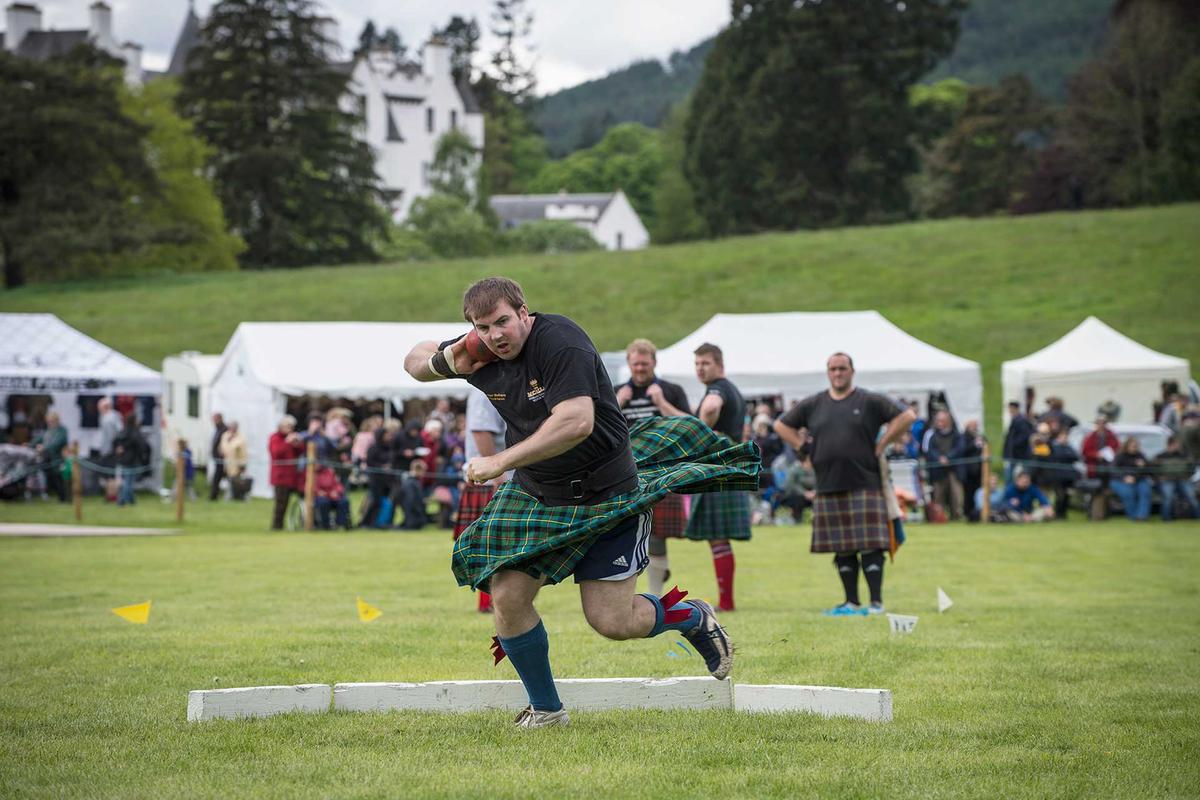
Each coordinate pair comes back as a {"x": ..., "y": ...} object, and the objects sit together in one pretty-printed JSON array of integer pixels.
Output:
[
  {"x": 645, "y": 396},
  {"x": 485, "y": 437},
  {"x": 718, "y": 518},
  {"x": 582, "y": 490},
  {"x": 850, "y": 514}
]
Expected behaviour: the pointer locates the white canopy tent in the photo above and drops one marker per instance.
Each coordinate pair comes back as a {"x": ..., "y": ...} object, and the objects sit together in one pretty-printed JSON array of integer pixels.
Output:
[
  {"x": 265, "y": 362},
  {"x": 785, "y": 353},
  {"x": 42, "y": 355},
  {"x": 1091, "y": 364}
]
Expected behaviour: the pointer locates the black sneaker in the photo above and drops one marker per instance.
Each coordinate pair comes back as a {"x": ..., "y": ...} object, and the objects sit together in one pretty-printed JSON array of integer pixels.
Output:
[{"x": 711, "y": 641}]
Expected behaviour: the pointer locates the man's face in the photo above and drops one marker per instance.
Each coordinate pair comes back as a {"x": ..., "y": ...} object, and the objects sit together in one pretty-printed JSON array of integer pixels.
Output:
[
  {"x": 707, "y": 369},
  {"x": 641, "y": 368},
  {"x": 972, "y": 427},
  {"x": 942, "y": 421},
  {"x": 504, "y": 329},
  {"x": 841, "y": 375},
  {"x": 1023, "y": 481}
]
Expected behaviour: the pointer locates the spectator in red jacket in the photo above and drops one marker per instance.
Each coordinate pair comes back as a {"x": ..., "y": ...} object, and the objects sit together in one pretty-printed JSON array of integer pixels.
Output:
[
  {"x": 286, "y": 448},
  {"x": 330, "y": 494},
  {"x": 1100, "y": 447}
]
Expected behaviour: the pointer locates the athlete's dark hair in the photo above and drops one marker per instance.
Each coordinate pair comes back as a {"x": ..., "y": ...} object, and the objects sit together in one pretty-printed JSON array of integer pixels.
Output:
[
  {"x": 843, "y": 355},
  {"x": 482, "y": 297},
  {"x": 707, "y": 349}
]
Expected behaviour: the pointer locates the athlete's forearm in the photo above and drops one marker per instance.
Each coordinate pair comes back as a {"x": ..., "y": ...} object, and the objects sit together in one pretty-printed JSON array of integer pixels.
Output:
[
  {"x": 416, "y": 363},
  {"x": 791, "y": 436},
  {"x": 899, "y": 424},
  {"x": 710, "y": 411},
  {"x": 668, "y": 410},
  {"x": 562, "y": 430}
]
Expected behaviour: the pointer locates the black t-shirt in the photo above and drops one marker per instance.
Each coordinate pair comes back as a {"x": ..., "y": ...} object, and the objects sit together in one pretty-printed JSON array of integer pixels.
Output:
[
  {"x": 732, "y": 419},
  {"x": 557, "y": 363},
  {"x": 844, "y": 433},
  {"x": 641, "y": 407}
]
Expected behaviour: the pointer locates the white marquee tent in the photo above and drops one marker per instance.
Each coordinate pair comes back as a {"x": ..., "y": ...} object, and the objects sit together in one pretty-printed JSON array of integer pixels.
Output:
[
  {"x": 785, "y": 353},
  {"x": 1093, "y": 364},
  {"x": 265, "y": 362},
  {"x": 42, "y": 355}
]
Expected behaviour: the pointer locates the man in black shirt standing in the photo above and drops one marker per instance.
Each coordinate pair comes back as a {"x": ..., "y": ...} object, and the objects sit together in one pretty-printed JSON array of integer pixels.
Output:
[
  {"x": 718, "y": 518},
  {"x": 645, "y": 396},
  {"x": 850, "y": 515},
  {"x": 578, "y": 502}
]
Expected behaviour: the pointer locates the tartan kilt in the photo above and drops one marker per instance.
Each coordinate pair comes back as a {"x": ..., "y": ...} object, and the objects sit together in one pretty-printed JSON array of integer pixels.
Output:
[
  {"x": 846, "y": 521},
  {"x": 673, "y": 454},
  {"x": 720, "y": 516},
  {"x": 670, "y": 518},
  {"x": 471, "y": 502}
]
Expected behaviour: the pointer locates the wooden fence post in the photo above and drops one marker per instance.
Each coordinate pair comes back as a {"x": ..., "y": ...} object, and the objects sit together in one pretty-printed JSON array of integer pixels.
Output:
[
  {"x": 310, "y": 470},
  {"x": 179, "y": 482},
  {"x": 985, "y": 476},
  {"x": 76, "y": 482}
]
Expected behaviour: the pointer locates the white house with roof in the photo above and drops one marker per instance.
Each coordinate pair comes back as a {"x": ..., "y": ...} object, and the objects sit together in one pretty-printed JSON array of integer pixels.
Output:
[
  {"x": 408, "y": 107},
  {"x": 609, "y": 218},
  {"x": 25, "y": 37}
]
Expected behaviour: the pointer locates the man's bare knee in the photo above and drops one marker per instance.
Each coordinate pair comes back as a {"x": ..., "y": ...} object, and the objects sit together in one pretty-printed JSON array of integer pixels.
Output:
[{"x": 608, "y": 624}]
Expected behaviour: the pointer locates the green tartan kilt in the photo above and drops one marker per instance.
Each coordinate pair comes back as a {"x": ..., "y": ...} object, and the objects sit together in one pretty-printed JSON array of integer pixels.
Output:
[
  {"x": 673, "y": 454},
  {"x": 719, "y": 516}
]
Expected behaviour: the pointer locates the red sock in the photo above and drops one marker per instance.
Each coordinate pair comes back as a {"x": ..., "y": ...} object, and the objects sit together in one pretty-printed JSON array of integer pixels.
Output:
[
  {"x": 723, "y": 563},
  {"x": 485, "y": 602}
]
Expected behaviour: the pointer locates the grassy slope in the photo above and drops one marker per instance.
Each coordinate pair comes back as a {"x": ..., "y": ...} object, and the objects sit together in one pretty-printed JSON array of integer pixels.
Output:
[
  {"x": 989, "y": 289},
  {"x": 1065, "y": 669}
]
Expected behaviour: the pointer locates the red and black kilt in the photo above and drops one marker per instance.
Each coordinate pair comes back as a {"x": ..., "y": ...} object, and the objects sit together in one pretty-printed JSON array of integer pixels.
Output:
[
  {"x": 848, "y": 521},
  {"x": 471, "y": 502},
  {"x": 670, "y": 518}
]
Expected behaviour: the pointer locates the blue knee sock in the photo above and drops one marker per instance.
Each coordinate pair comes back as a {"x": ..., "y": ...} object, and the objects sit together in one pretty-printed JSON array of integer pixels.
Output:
[
  {"x": 679, "y": 609},
  {"x": 530, "y": 655}
]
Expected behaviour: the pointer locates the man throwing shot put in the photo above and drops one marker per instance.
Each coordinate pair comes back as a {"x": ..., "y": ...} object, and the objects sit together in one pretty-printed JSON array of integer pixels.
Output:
[
  {"x": 582, "y": 489},
  {"x": 850, "y": 516},
  {"x": 645, "y": 396}
]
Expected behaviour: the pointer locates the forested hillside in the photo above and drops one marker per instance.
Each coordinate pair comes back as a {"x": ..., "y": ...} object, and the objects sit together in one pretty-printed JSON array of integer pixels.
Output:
[{"x": 1046, "y": 41}]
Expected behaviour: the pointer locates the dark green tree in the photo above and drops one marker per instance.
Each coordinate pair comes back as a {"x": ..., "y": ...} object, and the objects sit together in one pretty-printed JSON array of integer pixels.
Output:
[
  {"x": 802, "y": 116},
  {"x": 513, "y": 151},
  {"x": 675, "y": 217},
  {"x": 1120, "y": 104},
  {"x": 73, "y": 168},
  {"x": 455, "y": 167},
  {"x": 985, "y": 158},
  {"x": 295, "y": 181},
  {"x": 511, "y": 24},
  {"x": 366, "y": 38},
  {"x": 463, "y": 37}
]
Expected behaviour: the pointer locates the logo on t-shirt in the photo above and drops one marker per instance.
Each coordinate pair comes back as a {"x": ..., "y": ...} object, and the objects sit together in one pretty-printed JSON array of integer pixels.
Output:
[
  {"x": 497, "y": 397},
  {"x": 536, "y": 390}
]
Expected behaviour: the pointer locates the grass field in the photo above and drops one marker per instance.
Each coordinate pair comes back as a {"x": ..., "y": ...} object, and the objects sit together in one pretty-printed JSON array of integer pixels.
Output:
[
  {"x": 987, "y": 289},
  {"x": 1066, "y": 668}
]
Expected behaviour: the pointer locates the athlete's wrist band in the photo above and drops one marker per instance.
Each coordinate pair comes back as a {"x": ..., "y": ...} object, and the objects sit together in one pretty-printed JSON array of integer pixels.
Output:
[{"x": 440, "y": 366}]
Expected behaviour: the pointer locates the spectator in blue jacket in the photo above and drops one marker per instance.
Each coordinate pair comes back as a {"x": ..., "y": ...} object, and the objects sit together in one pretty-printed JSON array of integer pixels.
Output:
[
  {"x": 941, "y": 446},
  {"x": 1019, "y": 499}
]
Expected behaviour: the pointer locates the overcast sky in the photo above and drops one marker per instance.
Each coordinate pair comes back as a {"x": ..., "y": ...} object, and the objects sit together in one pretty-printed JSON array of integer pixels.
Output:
[{"x": 575, "y": 40}]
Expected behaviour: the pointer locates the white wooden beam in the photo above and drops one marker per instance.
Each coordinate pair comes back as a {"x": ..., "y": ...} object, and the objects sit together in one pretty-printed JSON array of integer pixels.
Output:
[
  {"x": 257, "y": 701},
  {"x": 828, "y": 701},
  {"x": 577, "y": 694}
]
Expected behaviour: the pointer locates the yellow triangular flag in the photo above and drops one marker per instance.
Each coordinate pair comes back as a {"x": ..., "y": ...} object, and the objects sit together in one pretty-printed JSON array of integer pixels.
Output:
[
  {"x": 367, "y": 612},
  {"x": 138, "y": 614}
]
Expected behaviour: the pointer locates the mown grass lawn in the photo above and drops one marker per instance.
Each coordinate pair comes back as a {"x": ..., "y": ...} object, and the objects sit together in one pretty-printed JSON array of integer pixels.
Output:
[
  {"x": 1067, "y": 668},
  {"x": 987, "y": 289}
]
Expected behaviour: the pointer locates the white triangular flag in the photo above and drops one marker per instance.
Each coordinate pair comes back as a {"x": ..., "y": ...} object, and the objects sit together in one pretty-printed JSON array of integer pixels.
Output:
[{"x": 944, "y": 601}]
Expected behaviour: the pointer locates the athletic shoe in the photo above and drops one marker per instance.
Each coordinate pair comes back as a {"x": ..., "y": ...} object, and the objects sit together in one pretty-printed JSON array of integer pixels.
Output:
[
  {"x": 846, "y": 610},
  {"x": 532, "y": 718},
  {"x": 873, "y": 610},
  {"x": 711, "y": 641}
]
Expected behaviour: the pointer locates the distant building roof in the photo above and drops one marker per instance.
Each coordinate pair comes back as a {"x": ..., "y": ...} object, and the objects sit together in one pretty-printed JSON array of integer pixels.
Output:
[
  {"x": 189, "y": 38},
  {"x": 470, "y": 104},
  {"x": 41, "y": 45},
  {"x": 514, "y": 209}
]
